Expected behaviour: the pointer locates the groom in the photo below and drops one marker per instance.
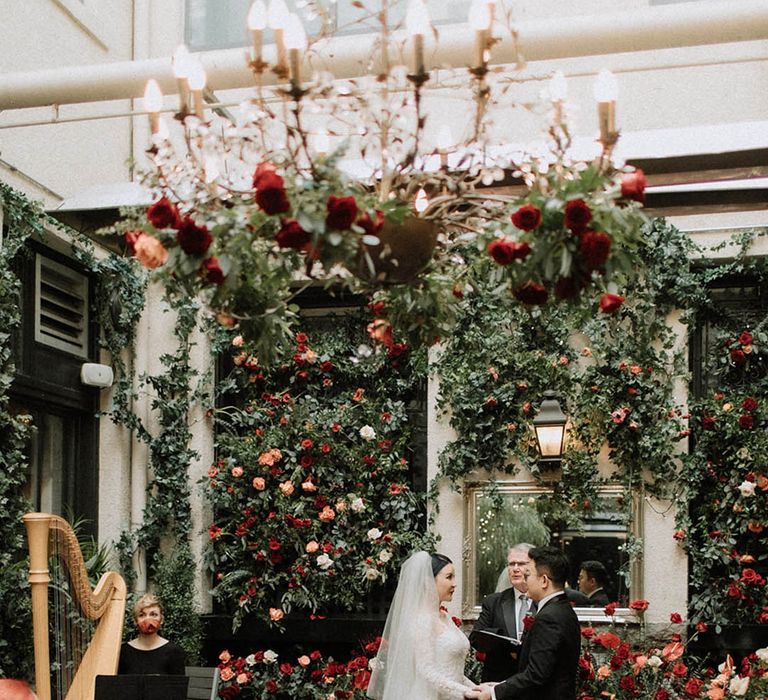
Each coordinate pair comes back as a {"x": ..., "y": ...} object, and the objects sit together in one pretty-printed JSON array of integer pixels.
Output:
[{"x": 549, "y": 655}]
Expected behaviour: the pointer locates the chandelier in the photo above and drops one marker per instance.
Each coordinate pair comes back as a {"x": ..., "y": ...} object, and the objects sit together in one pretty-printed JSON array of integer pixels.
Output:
[{"x": 350, "y": 183}]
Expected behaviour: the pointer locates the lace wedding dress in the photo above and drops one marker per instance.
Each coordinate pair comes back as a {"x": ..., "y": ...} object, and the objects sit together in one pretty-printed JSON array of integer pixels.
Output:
[{"x": 444, "y": 650}]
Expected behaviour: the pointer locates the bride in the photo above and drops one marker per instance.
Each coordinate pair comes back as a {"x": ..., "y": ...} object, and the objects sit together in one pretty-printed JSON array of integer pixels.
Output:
[{"x": 422, "y": 653}]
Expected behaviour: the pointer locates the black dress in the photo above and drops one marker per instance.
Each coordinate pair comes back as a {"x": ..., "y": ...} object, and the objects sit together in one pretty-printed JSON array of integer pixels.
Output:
[{"x": 165, "y": 660}]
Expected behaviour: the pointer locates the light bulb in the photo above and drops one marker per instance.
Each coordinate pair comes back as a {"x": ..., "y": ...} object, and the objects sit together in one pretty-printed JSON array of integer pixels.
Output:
[
  {"x": 295, "y": 36},
  {"x": 196, "y": 75},
  {"x": 153, "y": 97},
  {"x": 422, "y": 201},
  {"x": 257, "y": 16},
  {"x": 181, "y": 62},
  {"x": 558, "y": 87},
  {"x": 606, "y": 86},
  {"x": 444, "y": 138},
  {"x": 277, "y": 14},
  {"x": 417, "y": 18}
]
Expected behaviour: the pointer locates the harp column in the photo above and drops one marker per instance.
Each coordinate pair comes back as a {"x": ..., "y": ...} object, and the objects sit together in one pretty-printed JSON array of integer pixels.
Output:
[{"x": 38, "y": 525}]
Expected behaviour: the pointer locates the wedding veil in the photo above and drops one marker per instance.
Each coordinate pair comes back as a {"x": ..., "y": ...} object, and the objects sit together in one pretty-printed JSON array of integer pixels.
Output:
[{"x": 394, "y": 675}]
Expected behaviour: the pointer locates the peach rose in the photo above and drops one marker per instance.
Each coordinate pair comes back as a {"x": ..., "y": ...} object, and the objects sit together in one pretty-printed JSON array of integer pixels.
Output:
[
  {"x": 276, "y": 614},
  {"x": 287, "y": 488},
  {"x": 303, "y": 660},
  {"x": 149, "y": 251},
  {"x": 242, "y": 678},
  {"x": 237, "y": 472},
  {"x": 311, "y": 547},
  {"x": 225, "y": 656},
  {"x": 259, "y": 484},
  {"x": 227, "y": 674},
  {"x": 308, "y": 486},
  {"x": 327, "y": 514},
  {"x": 603, "y": 672}
]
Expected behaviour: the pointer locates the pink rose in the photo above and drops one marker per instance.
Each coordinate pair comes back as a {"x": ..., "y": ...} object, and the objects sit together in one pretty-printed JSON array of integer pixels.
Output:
[{"x": 311, "y": 547}]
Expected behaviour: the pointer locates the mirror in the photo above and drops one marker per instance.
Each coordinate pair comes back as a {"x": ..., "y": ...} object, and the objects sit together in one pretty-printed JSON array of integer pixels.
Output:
[{"x": 499, "y": 514}]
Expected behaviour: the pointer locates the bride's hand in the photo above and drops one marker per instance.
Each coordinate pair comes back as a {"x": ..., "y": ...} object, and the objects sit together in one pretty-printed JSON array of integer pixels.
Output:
[{"x": 471, "y": 694}]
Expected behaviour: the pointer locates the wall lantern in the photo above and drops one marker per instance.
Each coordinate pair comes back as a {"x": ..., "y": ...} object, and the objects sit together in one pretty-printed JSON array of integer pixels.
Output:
[{"x": 549, "y": 425}]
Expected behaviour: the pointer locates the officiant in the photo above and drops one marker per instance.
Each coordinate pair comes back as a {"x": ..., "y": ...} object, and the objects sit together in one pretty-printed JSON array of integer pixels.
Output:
[{"x": 503, "y": 614}]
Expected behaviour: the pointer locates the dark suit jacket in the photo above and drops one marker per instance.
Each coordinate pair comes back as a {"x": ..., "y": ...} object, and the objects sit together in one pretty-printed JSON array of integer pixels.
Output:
[
  {"x": 549, "y": 656},
  {"x": 577, "y": 598},
  {"x": 598, "y": 599},
  {"x": 498, "y": 616}
]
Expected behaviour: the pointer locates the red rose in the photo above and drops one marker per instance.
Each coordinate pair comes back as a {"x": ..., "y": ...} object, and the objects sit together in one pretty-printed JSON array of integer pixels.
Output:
[
  {"x": 746, "y": 422},
  {"x": 270, "y": 190},
  {"x": 588, "y": 632},
  {"x": 163, "y": 214},
  {"x": 661, "y": 694},
  {"x": 595, "y": 248},
  {"x": 502, "y": 250},
  {"x": 577, "y": 215},
  {"x": 270, "y": 686},
  {"x": 610, "y": 609},
  {"x": 680, "y": 670},
  {"x": 480, "y": 656},
  {"x": 211, "y": 271},
  {"x": 361, "y": 679},
  {"x": 633, "y": 185},
  {"x": 708, "y": 423},
  {"x": 193, "y": 239},
  {"x": 368, "y": 225},
  {"x": 531, "y": 293},
  {"x": 527, "y": 217},
  {"x": 640, "y": 605},
  {"x": 528, "y": 621},
  {"x": 610, "y": 303},
  {"x": 738, "y": 357},
  {"x": 749, "y": 404},
  {"x": 745, "y": 338},
  {"x": 627, "y": 683},
  {"x": 702, "y": 627},
  {"x": 456, "y": 621},
  {"x": 675, "y": 618},
  {"x": 286, "y": 669},
  {"x": 291, "y": 235},
  {"x": 750, "y": 577},
  {"x": 342, "y": 212},
  {"x": 607, "y": 640},
  {"x": 693, "y": 687}
]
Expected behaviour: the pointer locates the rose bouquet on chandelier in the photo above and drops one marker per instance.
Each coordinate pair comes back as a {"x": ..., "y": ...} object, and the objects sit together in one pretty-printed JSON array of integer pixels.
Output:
[{"x": 579, "y": 225}]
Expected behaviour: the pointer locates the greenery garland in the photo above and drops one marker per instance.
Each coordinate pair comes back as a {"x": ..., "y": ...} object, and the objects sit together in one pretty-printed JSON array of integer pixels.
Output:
[{"x": 23, "y": 220}]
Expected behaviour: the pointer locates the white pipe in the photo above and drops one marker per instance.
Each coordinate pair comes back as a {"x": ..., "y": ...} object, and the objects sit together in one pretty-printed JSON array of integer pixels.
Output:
[{"x": 672, "y": 26}]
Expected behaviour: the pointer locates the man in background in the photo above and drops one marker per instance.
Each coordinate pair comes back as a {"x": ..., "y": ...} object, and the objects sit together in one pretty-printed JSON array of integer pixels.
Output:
[
  {"x": 592, "y": 580},
  {"x": 550, "y": 650},
  {"x": 503, "y": 613}
]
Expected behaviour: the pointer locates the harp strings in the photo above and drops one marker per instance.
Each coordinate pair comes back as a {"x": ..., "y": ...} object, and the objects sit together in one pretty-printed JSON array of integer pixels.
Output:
[{"x": 71, "y": 629}]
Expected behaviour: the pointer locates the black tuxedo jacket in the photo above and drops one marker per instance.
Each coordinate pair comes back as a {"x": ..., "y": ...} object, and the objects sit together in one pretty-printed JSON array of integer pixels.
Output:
[
  {"x": 549, "y": 656},
  {"x": 598, "y": 599},
  {"x": 498, "y": 616}
]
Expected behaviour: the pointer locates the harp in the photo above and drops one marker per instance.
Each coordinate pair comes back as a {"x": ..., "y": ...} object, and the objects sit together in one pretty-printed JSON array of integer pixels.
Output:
[{"x": 77, "y": 631}]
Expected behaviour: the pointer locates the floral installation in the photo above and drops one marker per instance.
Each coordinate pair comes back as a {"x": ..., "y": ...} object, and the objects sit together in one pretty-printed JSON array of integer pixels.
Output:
[
  {"x": 312, "y": 502},
  {"x": 728, "y": 522},
  {"x": 310, "y": 676}
]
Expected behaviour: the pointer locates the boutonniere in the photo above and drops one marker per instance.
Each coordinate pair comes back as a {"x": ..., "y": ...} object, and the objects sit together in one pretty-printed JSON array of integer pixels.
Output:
[
  {"x": 528, "y": 621},
  {"x": 456, "y": 621}
]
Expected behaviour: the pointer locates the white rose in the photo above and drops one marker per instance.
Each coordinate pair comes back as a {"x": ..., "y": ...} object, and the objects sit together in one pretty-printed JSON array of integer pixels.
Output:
[
  {"x": 374, "y": 533},
  {"x": 357, "y": 505},
  {"x": 384, "y": 556},
  {"x": 324, "y": 562},
  {"x": 762, "y": 654},
  {"x": 654, "y": 661},
  {"x": 270, "y": 656},
  {"x": 743, "y": 453},
  {"x": 747, "y": 488},
  {"x": 364, "y": 350},
  {"x": 370, "y": 574},
  {"x": 367, "y": 433},
  {"x": 739, "y": 685},
  {"x": 250, "y": 659}
]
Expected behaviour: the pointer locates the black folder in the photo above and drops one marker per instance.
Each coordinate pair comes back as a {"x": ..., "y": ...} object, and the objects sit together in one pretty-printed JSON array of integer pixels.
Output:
[
  {"x": 490, "y": 642},
  {"x": 137, "y": 687}
]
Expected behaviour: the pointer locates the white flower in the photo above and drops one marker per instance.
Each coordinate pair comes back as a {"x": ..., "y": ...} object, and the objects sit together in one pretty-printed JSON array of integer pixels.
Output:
[
  {"x": 747, "y": 488},
  {"x": 324, "y": 562},
  {"x": 364, "y": 350},
  {"x": 739, "y": 685},
  {"x": 370, "y": 574},
  {"x": 270, "y": 656},
  {"x": 743, "y": 453},
  {"x": 357, "y": 505},
  {"x": 367, "y": 433},
  {"x": 654, "y": 661},
  {"x": 762, "y": 654},
  {"x": 374, "y": 533},
  {"x": 384, "y": 556},
  {"x": 250, "y": 659}
]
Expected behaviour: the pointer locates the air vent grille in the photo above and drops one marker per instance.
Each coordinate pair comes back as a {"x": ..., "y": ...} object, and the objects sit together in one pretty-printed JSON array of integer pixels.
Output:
[{"x": 61, "y": 307}]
